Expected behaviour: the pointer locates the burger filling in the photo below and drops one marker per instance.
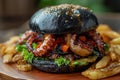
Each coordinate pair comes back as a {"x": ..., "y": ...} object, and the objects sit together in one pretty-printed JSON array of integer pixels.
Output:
[{"x": 63, "y": 49}]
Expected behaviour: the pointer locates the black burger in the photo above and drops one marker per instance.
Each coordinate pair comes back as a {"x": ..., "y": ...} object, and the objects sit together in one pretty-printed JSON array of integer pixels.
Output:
[{"x": 62, "y": 39}]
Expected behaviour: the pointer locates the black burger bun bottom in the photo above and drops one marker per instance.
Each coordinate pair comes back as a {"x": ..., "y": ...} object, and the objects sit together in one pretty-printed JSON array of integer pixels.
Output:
[
  {"x": 50, "y": 66},
  {"x": 62, "y": 19}
]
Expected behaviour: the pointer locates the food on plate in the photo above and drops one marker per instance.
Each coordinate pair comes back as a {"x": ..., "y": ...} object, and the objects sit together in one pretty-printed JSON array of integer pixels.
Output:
[
  {"x": 107, "y": 33},
  {"x": 10, "y": 55},
  {"x": 103, "y": 62},
  {"x": 112, "y": 69},
  {"x": 63, "y": 39},
  {"x": 109, "y": 65},
  {"x": 8, "y": 49}
]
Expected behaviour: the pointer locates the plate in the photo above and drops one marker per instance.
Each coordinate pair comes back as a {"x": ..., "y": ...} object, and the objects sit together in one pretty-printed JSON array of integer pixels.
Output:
[{"x": 9, "y": 72}]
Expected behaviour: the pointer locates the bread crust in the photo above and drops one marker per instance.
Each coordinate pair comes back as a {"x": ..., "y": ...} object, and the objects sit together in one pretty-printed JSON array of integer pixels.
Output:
[{"x": 62, "y": 19}]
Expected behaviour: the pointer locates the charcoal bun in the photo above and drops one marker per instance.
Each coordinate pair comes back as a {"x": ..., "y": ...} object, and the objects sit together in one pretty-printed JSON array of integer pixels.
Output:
[
  {"x": 62, "y": 19},
  {"x": 51, "y": 67}
]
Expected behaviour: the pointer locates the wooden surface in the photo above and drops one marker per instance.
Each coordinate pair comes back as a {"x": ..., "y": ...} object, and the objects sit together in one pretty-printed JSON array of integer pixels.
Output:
[{"x": 9, "y": 72}]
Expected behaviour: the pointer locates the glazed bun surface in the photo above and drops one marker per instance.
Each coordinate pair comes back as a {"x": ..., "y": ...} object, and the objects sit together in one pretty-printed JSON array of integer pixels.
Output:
[{"x": 62, "y": 19}]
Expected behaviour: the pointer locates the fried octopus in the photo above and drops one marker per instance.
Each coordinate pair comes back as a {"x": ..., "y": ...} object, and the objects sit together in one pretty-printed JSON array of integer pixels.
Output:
[{"x": 80, "y": 44}]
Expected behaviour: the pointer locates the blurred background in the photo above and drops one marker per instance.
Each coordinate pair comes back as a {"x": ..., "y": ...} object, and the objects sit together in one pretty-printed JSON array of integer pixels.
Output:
[{"x": 15, "y": 14}]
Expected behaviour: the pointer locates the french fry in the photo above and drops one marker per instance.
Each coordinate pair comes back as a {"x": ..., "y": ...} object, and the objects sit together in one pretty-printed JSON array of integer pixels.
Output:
[
  {"x": 9, "y": 52},
  {"x": 2, "y": 50},
  {"x": 113, "y": 56},
  {"x": 7, "y": 58},
  {"x": 17, "y": 57},
  {"x": 116, "y": 49},
  {"x": 24, "y": 67},
  {"x": 115, "y": 41},
  {"x": 98, "y": 74},
  {"x": 111, "y": 34},
  {"x": 1, "y": 45},
  {"x": 105, "y": 38},
  {"x": 95, "y": 74},
  {"x": 103, "y": 27},
  {"x": 103, "y": 62},
  {"x": 10, "y": 49},
  {"x": 12, "y": 40}
]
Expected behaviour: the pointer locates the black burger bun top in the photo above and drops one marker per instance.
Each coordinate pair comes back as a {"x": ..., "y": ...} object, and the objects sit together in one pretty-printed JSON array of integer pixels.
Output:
[{"x": 62, "y": 19}]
